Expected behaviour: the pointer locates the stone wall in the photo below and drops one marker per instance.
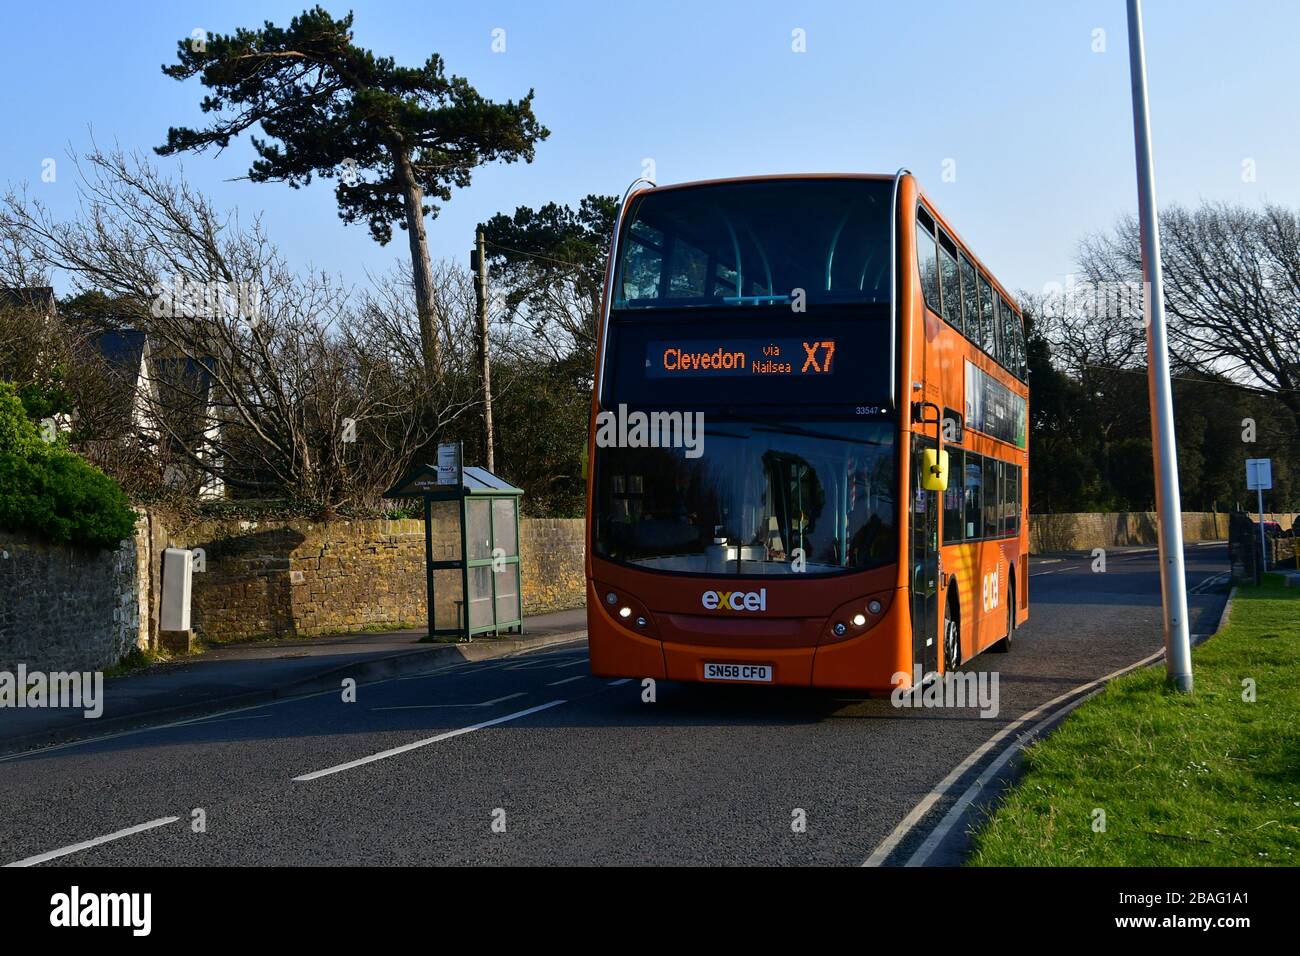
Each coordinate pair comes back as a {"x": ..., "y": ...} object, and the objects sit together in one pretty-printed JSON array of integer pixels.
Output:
[
  {"x": 64, "y": 608},
  {"x": 552, "y": 552},
  {"x": 1083, "y": 532},
  {"x": 285, "y": 577},
  {"x": 302, "y": 577},
  {"x": 69, "y": 609}
]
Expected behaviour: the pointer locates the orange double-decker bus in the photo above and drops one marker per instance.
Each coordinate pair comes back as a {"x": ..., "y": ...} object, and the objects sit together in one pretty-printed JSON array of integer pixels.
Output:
[{"x": 808, "y": 452}]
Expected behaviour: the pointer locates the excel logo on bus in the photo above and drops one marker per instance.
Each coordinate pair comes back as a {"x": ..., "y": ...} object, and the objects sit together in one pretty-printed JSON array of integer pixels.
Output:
[
  {"x": 735, "y": 600},
  {"x": 992, "y": 597}
]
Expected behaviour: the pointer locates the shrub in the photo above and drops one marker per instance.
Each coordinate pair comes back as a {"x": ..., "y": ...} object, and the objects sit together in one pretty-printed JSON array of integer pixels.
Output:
[
  {"x": 17, "y": 434},
  {"x": 52, "y": 491}
]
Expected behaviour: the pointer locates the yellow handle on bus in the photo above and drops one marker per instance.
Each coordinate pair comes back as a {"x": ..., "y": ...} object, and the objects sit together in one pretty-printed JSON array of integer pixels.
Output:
[{"x": 934, "y": 469}]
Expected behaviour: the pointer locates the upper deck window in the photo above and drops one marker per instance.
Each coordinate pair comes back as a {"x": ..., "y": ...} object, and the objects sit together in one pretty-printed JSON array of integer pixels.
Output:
[
  {"x": 950, "y": 280},
  {"x": 760, "y": 242}
]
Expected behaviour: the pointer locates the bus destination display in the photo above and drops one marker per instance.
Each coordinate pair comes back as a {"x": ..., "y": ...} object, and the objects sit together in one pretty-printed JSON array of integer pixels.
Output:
[{"x": 714, "y": 359}]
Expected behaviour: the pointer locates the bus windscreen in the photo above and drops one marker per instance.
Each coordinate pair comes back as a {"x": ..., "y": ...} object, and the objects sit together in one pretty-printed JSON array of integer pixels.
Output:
[
  {"x": 783, "y": 243},
  {"x": 763, "y": 498}
]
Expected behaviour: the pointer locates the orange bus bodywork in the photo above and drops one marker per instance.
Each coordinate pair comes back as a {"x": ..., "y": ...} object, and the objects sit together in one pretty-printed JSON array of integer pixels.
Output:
[{"x": 794, "y": 634}]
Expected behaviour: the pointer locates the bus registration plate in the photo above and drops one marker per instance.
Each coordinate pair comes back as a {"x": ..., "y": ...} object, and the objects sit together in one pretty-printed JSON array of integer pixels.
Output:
[{"x": 752, "y": 672}]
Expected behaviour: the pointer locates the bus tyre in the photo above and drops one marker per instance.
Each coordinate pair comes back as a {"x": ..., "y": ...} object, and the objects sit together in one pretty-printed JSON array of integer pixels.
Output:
[
  {"x": 951, "y": 637},
  {"x": 1004, "y": 645}
]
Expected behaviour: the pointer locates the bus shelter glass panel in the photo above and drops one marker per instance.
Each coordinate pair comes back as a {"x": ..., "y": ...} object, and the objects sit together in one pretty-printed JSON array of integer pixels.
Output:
[
  {"x": 503, "y": 526},
  {"x": 480, "y": 597},
  {"x": 478, "y": 528},
  {"x": 492, "y": 544},
  {"x": 449, "y": 608},
  {"x": 505, "y": 530},
  {"x": 507, "y": 582}
]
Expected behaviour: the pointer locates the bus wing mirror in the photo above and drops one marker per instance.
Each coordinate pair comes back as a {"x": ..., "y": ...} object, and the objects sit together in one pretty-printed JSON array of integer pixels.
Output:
[{"x": 934, "y": 470}]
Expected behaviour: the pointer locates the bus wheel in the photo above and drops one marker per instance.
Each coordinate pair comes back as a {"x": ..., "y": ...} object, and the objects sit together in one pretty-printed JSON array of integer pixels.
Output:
[
  {"x": 951, "y": 637},
  {"x": 1004, "y": 645}
]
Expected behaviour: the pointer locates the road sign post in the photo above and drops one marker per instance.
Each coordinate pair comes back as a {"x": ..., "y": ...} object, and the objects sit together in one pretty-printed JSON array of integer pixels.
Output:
[
  {"x": 1173, "y": 580},
  {"x": 1259, "y": 478}
]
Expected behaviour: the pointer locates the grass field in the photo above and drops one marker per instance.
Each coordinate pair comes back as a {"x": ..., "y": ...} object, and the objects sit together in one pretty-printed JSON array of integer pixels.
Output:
[{"x": 1208, "y": 779}]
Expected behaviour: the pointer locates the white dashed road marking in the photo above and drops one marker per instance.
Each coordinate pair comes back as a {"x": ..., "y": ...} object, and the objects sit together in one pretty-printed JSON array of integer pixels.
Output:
[
  {"x": 87, "y": 844},
  {"x": 384, "y": 754},
  {"x": 482, "y": 703},
  {"x": 567, "y": 680}
]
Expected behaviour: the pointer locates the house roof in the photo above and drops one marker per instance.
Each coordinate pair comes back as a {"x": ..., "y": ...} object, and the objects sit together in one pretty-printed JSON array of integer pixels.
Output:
[
  {"x": 185, "y": 392},
  {"x": 182, "y": 385},
  {"x": 123, "y": 350},
  {"x": 123, "y": 355},
  {"x": 37, "y": 297}
]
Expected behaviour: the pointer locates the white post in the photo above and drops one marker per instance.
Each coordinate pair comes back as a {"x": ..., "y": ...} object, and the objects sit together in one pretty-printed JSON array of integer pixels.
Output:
[
  {"x": 1173, "y": 580},
  {"x": 1263, "y": 552}
]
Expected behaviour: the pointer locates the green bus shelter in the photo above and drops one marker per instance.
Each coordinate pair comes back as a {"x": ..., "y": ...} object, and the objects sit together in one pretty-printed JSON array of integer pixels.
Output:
[{"x": 471, "y": 551}]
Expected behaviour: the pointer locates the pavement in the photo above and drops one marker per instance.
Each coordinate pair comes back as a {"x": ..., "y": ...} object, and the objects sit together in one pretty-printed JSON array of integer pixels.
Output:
[
  {"x": 241, "y": 674},
  {"x": 530, "y": 759}
]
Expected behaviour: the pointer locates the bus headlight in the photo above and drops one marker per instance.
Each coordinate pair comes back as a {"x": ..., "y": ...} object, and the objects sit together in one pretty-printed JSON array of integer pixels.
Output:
[
  {"x": 857, "y": 618},
  {"x": 622, "y": 609}
]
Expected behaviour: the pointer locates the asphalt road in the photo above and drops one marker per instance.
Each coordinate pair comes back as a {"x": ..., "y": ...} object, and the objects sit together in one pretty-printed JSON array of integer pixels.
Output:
[{"x": 590, "y": 775}]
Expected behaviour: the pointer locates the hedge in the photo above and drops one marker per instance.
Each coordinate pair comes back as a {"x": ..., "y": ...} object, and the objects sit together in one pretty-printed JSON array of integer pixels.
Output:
[{"x": 47, "y": 489}]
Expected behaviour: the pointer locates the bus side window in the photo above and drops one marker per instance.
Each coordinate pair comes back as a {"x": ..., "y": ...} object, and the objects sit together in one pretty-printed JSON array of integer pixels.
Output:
[
  {"x": 974, "y": 500},
  {"x": 996, "y": 351},
  {"x": 1007, "y": 342},
  {"x": 929, "y": 265},
  {"x": 986, "y": 338},
  {"x": 1013, "y": 352},
  {"x": 1013, "y": 506},
  {"x": 970, "y": 301},
  {"x": 1021, "y": 354},
  {"x": 1006, "y": 499},
  {"x": 953, "y": 499},
  {"x": 992, "y": 496},
  {"x": 949, "y": 280}
]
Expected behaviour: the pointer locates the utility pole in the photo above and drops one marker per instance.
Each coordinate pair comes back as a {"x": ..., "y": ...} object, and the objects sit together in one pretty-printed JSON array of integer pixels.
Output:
[
  {"x": 478, "y": 263},
  {"x": 1173, "y": 579}
]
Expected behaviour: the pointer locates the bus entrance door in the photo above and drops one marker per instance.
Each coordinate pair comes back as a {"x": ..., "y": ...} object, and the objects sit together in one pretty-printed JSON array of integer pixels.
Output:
[{"x": 924, "y": 560}]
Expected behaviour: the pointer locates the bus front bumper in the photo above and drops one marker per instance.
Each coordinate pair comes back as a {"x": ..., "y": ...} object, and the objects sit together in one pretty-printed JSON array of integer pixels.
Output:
[{"x": 867, "y": 662}]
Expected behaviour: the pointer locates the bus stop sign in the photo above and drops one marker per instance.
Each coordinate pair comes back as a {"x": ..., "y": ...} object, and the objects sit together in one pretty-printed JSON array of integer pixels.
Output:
[{"x": 1259, "y": 474}]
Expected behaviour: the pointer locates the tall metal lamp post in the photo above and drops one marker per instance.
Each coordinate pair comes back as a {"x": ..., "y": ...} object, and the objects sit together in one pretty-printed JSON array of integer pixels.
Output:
[{"x": 1173, "y": 580}]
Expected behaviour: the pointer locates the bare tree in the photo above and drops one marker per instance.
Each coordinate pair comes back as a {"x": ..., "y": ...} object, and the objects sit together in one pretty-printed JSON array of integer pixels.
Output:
[
  {"x": 273, "y": 383},
  {"x": 1232, "y": 289}
]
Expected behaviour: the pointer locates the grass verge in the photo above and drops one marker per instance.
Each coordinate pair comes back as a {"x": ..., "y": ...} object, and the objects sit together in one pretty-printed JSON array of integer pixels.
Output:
[
  {"x": 1208, "y": 779},
  {"x": 136, "y": 660}
]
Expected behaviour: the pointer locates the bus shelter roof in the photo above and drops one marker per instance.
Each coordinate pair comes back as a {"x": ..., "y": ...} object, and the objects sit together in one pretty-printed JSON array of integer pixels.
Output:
[{"x": 422, "y": 482}]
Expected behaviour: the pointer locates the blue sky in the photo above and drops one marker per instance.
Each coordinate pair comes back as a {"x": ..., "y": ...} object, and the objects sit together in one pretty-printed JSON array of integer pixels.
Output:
[{"x": 1037, "y": 123}]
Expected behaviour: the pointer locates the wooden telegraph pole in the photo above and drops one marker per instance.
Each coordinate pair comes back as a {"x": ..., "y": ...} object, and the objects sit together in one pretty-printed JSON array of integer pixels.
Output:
[{"x": 478, "y": 263}]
